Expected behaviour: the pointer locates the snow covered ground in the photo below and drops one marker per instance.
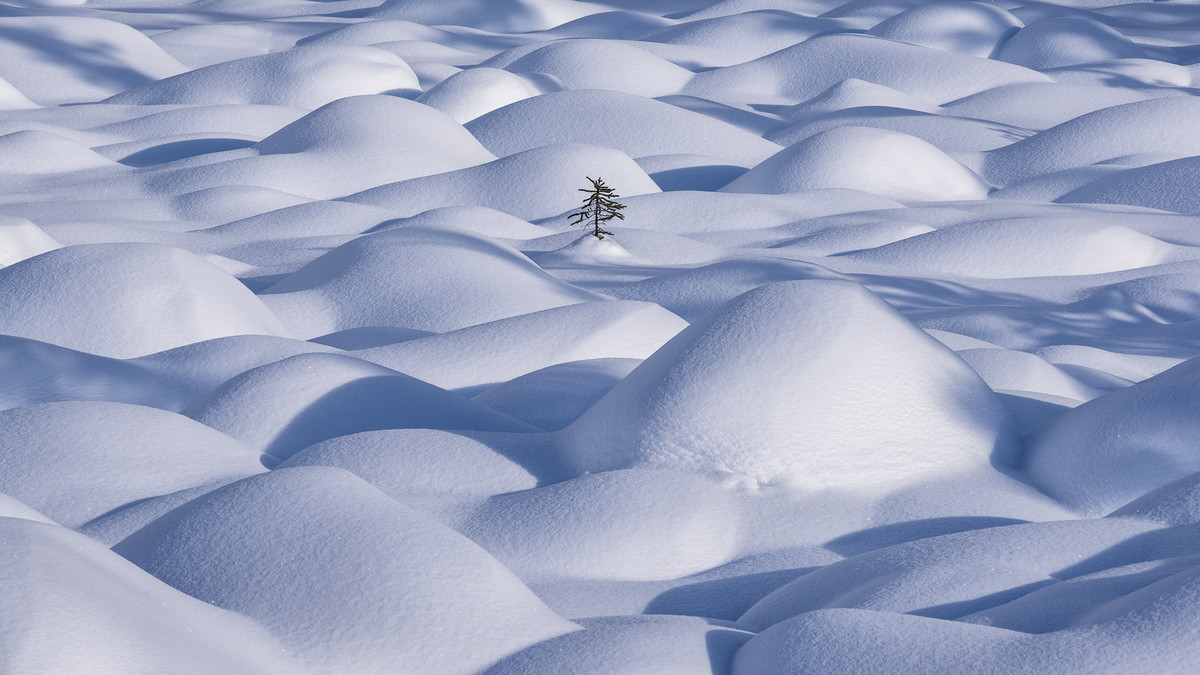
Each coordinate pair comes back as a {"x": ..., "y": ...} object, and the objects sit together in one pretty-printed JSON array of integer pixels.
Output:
[{"x": 892, "y": 366}]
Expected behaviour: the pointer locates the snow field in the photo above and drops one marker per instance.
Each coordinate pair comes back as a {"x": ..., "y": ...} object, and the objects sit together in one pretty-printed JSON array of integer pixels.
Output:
[{"x": 891, "y": 366}]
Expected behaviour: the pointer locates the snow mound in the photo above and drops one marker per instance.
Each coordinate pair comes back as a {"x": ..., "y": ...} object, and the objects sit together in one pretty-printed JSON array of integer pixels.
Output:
[
  {"x": 1120, "y": 446},
  {"x": 1059, "y": 41},
  {"x": 427, "y": 279},
  {"x": 21, "y": 239},
  {"x": 632, "y": 124},
  {"x": 881, "y": 162},
  {"x": 1105, "y": 618},
  {"x": 971, "y": 28},
  {"x": 126, "y": 300},
  {"x": 84, "y": 609},
  {"x": 500, "y": 350},
  {"x": 364, "y": 585},
  {"x": 71, "y": 59},
  {"x": 855, "y": 93},
  {"x": 816, "y": 384},
  {"x": 313, "y": 397},
  {"x": 746, "y": 35},
  {"x": 77, "y": 460},
  {"x": 636, "y": 524},
  {"x": 939, "y": 576},
  {"x": 505, "y": 16},
  {"x": 554, "y": 396},
  {"x": 426, "y": 469},
  {"x": 1013, "y": 371},
  {"x": 477, "y": 91},
  {"x": 1161, "y": 125},
  {"x": 1040, "y": 105},
  {"x": 534, "y": 184},
  {"x": 1025, "y": 247},
  {"x": 345, "y": 146},
  {"x": 1166, "y": 186},
  {"x": 628, "y": 69},
  {"x": 929, "y": 74},
  {"x": 1176, "y": 503},
  {"x": 32, "y": 153},
  {"x": 631, "y": 644},
  {"x": 302, "y": 77}
]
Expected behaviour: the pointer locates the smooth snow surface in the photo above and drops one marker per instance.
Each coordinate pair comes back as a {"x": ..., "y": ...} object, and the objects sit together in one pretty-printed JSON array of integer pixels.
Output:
[{"x": 892, "y": 364}]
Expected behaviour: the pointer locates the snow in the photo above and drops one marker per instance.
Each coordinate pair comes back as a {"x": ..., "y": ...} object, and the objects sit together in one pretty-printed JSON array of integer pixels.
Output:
[
  {"x": 890, "y": 367},
  {"x": 819, "y": 384},
  {"x": 884, "y": 163},
  {"x": 330, "y": 612}
]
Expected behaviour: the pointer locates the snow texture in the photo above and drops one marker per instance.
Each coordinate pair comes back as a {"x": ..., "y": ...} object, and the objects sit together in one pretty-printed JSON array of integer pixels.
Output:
[{"x": 891, "y": 366}]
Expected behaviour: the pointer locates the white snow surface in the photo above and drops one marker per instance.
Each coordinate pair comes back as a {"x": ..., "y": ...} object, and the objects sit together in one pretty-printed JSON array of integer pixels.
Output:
[{"x": 891, "y": 365}]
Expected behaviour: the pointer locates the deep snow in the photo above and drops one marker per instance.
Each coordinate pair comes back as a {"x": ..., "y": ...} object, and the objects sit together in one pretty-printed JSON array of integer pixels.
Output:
[{"x": 892, "y": 366}]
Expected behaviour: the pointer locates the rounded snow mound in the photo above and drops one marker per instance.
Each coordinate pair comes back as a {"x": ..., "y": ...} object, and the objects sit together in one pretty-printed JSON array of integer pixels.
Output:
[
  {"x": 534, "y": 184},
  {"x": 626, "y": 68},
  {"x": 1176, "y": 503},
  {"x": 1059, "y": 41},
  {"x": 125, "y": 300},
  {"x": 855, "y": 93},
  {"x": 284, "y": 407},
  {"x": 345, "y": 577},
  {"x": 1116, "y": 448},
  {"x": 68, "y": 59},
  {"x": 817, "y": 384},
  {"x": 303, "y": 77},
  {"x": 550, "y": 398},
  {"x": 930, "y": 74},
  {"x": 36, "y": 153},
  {"x": 500, "y": 350},
  {"x": 504, "y": 16},
  {"x": 746, "y": 35},
  {"x": 21, "y": 239},
  {"x": 1024, "y": 247},
  {"x": 939, "y": 575},
  {"x": 84, "y": 609},
  {"x": 1162, "y": 125},
  {"x": 1167, "y": 186},
  {"x": 386, "y": 125},
  {"x": 351, "y": 144},
  {"x": 635, "y": 125},
  {"x": 477, "y": 91},
  {"x": 971, "y": 28},
  {"x": 884, "y": 163},
  {"x": 427, "y": 279},
  {"x": 423, "y": 468},
  {"x": 632, "y": 525},
  {"x": 78, "y": 460}
]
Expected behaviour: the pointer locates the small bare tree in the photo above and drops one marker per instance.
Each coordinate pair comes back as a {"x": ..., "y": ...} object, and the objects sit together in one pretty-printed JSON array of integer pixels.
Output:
[{"x": 598, "y": 207}]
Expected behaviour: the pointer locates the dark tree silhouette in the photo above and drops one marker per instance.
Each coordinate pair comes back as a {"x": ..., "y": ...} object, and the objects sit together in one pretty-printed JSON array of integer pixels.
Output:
[{"x": 598, "y": 207}]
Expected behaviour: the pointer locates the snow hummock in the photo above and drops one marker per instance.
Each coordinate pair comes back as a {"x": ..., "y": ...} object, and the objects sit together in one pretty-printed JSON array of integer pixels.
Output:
[
  {"x": 126, "y": 300},
  {"x": 842, "y": 391},
  {"x": 1120, "y": 446},
  {"x": 884, "y": 163},
  {"x": 427, "y": 582},
  {"x": 382, "y": 279}
]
